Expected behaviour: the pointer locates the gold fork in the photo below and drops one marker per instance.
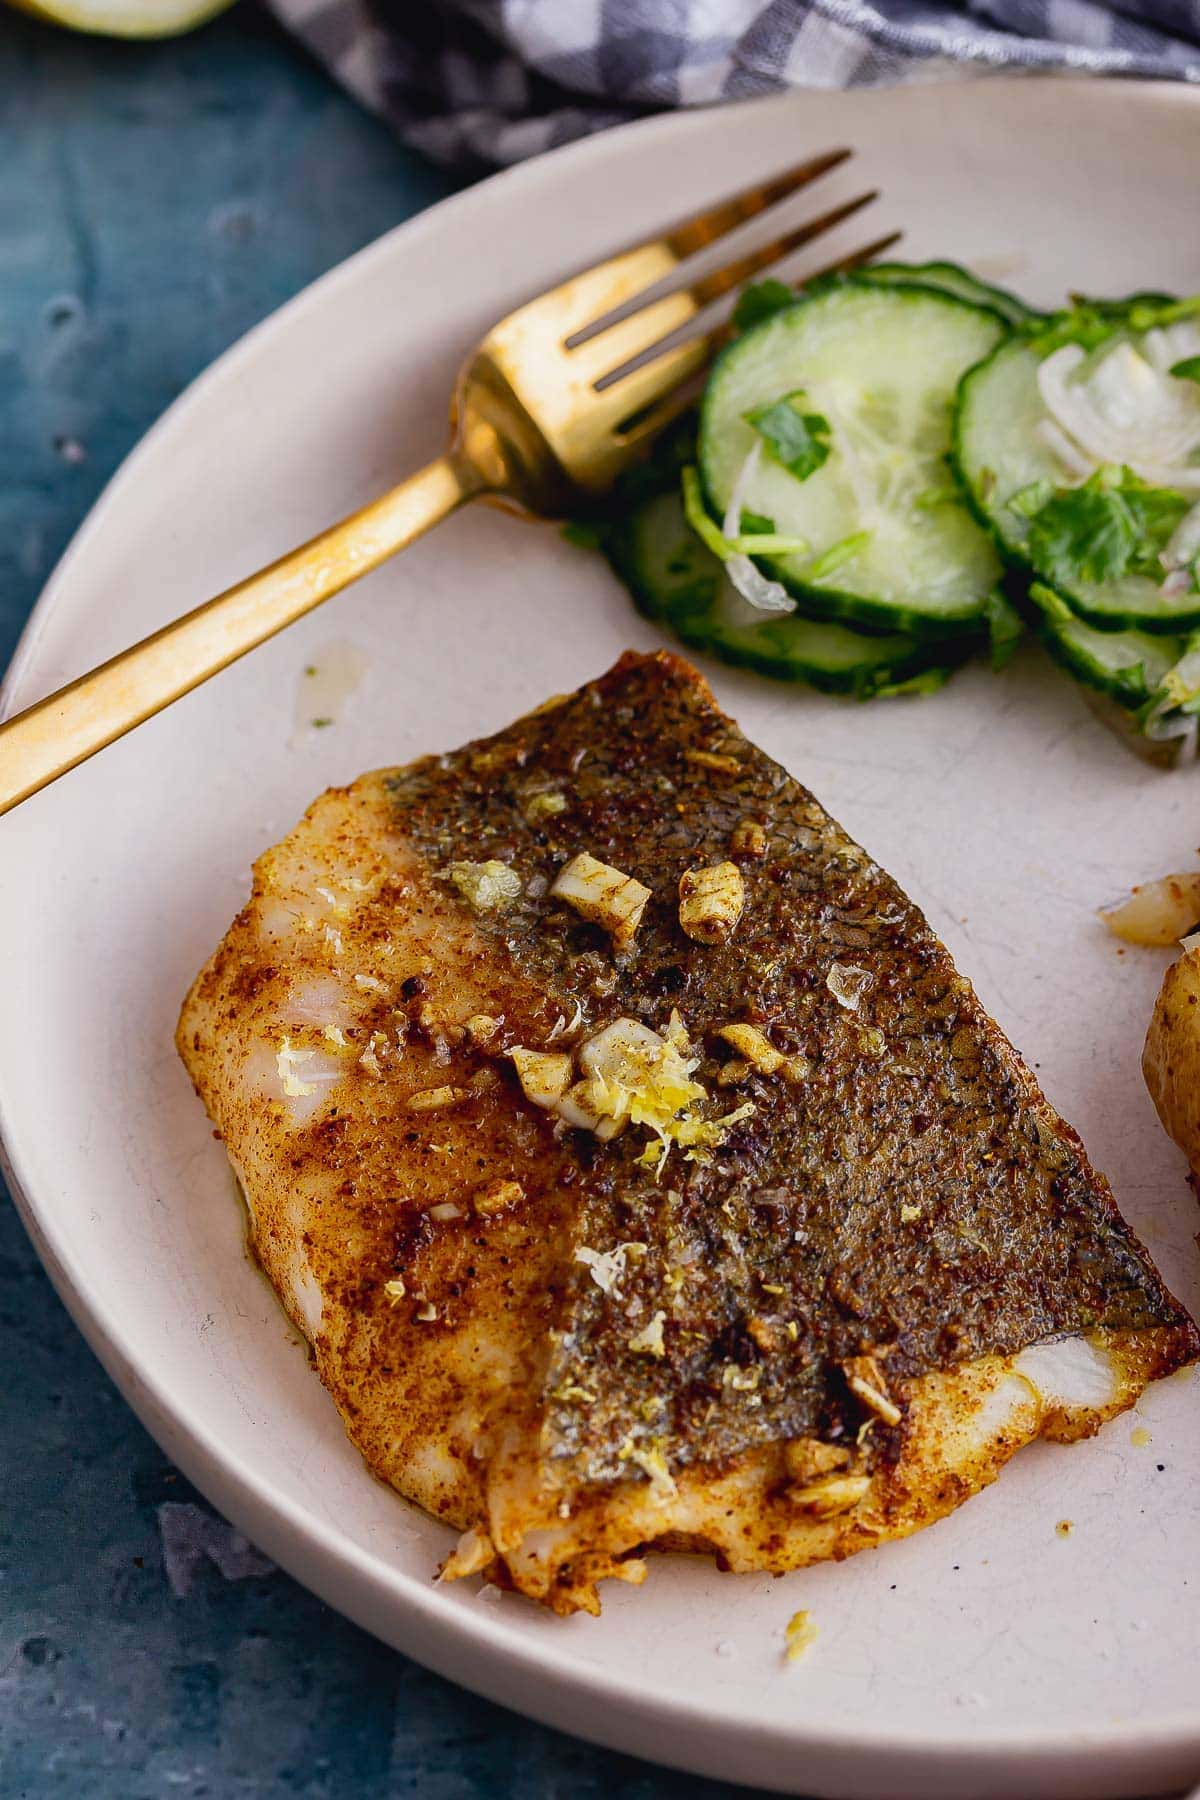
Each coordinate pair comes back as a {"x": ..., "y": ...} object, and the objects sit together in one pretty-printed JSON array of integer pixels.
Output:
[{"x": 556, "y": 401}]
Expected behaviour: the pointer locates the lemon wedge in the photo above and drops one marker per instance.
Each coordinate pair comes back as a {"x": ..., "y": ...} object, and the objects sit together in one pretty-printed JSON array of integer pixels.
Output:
[{"x": 125, "y": 18}]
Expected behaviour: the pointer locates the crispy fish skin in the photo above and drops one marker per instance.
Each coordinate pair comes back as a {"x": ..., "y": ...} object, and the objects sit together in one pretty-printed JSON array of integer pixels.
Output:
[{"x": 832, "y": 1326}]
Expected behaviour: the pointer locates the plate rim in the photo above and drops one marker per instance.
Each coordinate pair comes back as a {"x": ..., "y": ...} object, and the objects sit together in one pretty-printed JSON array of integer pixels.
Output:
[{"x": 431, "y": 1631}]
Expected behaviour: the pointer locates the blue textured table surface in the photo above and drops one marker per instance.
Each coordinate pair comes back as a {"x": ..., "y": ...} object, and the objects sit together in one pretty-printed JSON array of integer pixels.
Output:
[{"x": 155, "y": 202}]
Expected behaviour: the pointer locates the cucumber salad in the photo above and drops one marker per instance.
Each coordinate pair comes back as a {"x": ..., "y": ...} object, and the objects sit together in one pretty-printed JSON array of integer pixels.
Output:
[{"x": 894, "y": 470}]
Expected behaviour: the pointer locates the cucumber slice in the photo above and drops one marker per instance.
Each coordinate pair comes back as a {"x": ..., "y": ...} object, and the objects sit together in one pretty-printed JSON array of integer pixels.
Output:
[
  {"x": 1128, "y": 666},
  {"x": 998, "y": 452},
  {"x": 891, "y": 544},
  {"x": 679, "y": 583},
  {"x": 960, "y": 284}
]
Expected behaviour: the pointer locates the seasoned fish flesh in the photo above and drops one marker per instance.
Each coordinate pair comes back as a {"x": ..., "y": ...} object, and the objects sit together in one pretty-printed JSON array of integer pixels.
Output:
[{"x": 637, "y": 1164}]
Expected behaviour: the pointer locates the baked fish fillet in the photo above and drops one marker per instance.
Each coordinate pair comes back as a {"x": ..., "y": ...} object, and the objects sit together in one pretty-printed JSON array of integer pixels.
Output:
[{"x": 748, "y": 1234}]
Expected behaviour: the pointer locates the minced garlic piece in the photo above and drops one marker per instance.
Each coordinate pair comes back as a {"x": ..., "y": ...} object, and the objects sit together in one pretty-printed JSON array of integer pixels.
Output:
[
  {"x": 649, "y": 1342},
  {"x": 395, "y": 1289},
  {"x": 848, "y": 983},
  {"x": 544, "y": 1076},
  {"x": 835, "y": 1494},
  {"x": 494, "y": 1196},
  {"x": 485, "y": 885},
  {"x": 602, "y": 894},
  {"x": 653, "y": 1465},
  {"x": 748, "y": 838},
  {"x": 633, "y": 1073},
  {"x": 574, "y": 1395},
  {"x": 799, "y": 1633},
  {"x": 436, "y": 1099},
  {"x": 711, "y": 902},
  {"x": 481, "y": 1028},
  {"x": 371, "y": 983},
  {"x": 546, "y": 804},
  {"x": 908, "y": 1214},
  {"x": 755, "y": 1050},
  {"x": 629, "y": 1075},
  {"x": 608, "y": 1266},
  {"x": 733, "y": 1072},
  {"x": 285, "y": 1063},
  {"x": 750, "y": 1043},
  {"x": 333, "y": 1034},
  {"x": 444, "y": 1211},
  {"x": 564, "y": 1027},
  {"x": 712, "y": 759},
  {"x": 864, "y": 1379},
  {"x": 426, "y": 1313},
  {"x": 808, "y": 1459},
  {"x": 742, "y": 1381}
]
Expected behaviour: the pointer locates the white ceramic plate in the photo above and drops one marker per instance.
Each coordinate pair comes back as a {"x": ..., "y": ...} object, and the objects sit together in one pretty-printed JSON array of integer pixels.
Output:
[{"x": 988, "y": 1656}]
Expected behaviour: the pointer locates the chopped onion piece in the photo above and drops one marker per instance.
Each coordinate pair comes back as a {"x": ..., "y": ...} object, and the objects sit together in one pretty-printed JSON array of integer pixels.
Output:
[
  {"x": 1183, "y": 546},
  {"x": 1157, "y": 913},
  {"x": 1068, "y": 453},
  {"x": 757, "y": 589},
  {"x": 1119, "y": 409},
  {"x": 731, "y": 524}
]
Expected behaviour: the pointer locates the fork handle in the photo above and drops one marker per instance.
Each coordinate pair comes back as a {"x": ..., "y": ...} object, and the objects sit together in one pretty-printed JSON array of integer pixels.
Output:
[{"x": 64, "y": 729}]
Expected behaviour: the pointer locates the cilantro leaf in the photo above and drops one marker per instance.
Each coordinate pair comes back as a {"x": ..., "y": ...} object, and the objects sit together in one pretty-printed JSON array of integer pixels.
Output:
[
  {"x": 754, "y": 524},
  {"x": 1113, "y": 525},
  {"x": 1090, "y": 322},
  {"x": 1188, "y": 369},
  {"x": 760, "y": 301},
  {"x": 797, "y": 439}
]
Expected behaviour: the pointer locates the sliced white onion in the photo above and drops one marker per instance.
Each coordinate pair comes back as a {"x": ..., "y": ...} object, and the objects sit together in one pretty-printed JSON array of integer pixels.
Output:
[
  {"x": 1183, "y": 546},
  {"x": 1181, "y": 340},
  {"x": 1156, "y": 348},
  {"x": 756, "y": 588},
  {"x": 1065, "y": 449},
  {"x": 731, "y": 524},
  {"x": 1126, "y": 412}
]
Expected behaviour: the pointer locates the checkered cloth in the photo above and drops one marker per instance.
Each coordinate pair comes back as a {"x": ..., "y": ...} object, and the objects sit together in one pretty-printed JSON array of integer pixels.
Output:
[{"x": 476, "y": 83}]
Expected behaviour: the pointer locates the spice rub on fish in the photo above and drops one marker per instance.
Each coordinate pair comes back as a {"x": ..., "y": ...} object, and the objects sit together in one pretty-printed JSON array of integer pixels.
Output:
[{"x": 638, "y": 1166}]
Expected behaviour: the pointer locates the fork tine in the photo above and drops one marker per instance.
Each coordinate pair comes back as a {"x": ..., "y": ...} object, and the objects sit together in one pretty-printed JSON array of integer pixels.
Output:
[
  {"x": 653, "y": 359},
  {"x": 711, "y": 287},
  {"x": 704, "y": 228},
  {"x": 857, "y": 258},
  {"x": 659, "y": 319}
]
